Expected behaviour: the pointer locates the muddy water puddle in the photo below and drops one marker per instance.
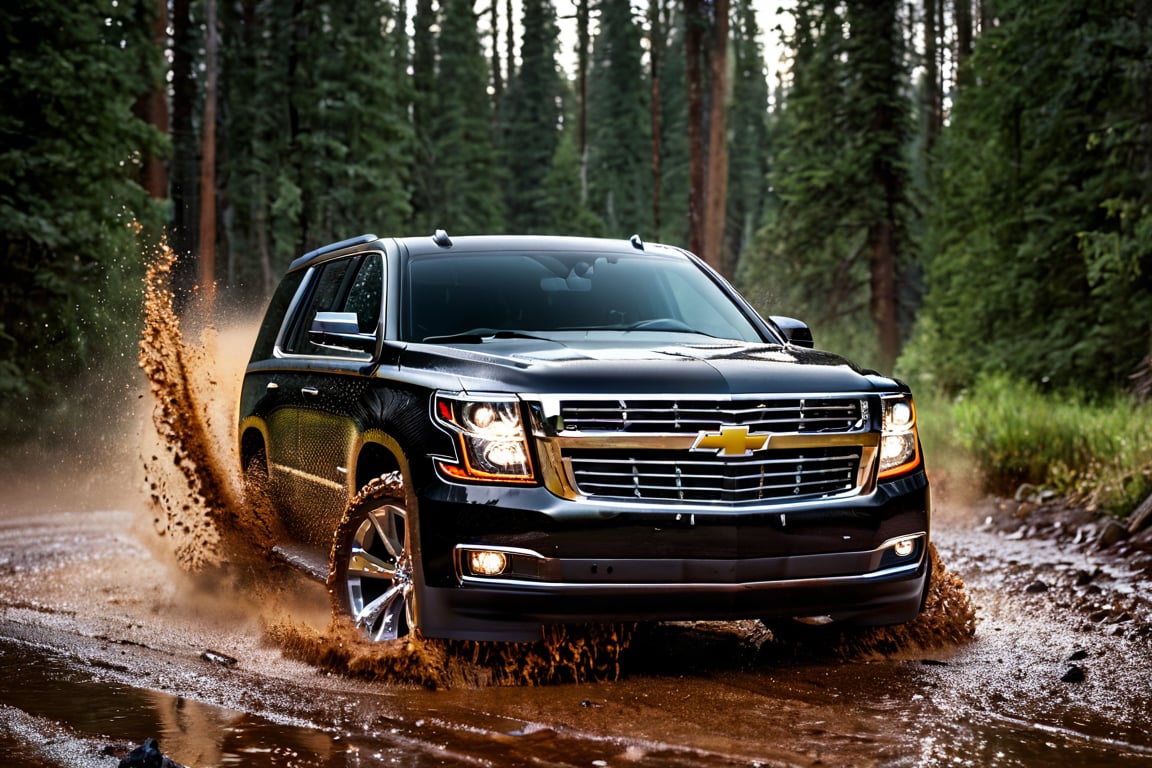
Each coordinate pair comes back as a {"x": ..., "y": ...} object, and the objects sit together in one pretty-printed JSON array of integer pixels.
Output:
[
  {"x": 55, "y": 710},
  {"x": 54, "y": 714}
]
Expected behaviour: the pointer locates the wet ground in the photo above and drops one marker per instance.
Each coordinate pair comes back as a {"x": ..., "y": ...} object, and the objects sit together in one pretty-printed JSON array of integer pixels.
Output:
[{"x": 104, "y": 642}]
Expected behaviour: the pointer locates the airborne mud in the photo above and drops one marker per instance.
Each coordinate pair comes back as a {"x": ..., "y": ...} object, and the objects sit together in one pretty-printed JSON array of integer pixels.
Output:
[{"x": 197, "y": 493}]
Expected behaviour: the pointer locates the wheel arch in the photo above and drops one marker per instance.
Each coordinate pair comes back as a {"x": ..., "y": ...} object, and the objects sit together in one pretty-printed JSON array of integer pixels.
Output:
[
  {"x": 253, "y": 440},
  {"x": 379, "y": 454}
]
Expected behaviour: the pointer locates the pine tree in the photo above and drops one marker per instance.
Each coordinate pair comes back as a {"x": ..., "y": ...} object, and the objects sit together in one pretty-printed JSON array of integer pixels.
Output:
[
  {"x": 70, "y": 200},
  {"x": 674, "y": 163},
  {"x": 619, "y": 177},
  {"x": 318, "y": 141},
  {"x": 531, "y": 129},
  {"x": 465, "y": 170},
  {"x": 1041, "y": 213},
  {"x": 748, "y": 178}
]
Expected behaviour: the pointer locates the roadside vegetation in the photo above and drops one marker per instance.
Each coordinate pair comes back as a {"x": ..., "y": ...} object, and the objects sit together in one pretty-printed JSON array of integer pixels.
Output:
[{"x": 1021, "y": 439}]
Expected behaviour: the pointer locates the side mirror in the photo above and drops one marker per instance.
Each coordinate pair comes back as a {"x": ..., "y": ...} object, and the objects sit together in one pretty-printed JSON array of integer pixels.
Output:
[
  {"x": 340, "y": 330},
  {"x": 795, "y": 331}
]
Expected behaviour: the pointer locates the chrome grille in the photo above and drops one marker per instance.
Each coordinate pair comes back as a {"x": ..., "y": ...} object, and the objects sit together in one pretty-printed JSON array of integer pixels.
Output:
[
  {"x": 793, "y": 415},
  {"x": 676, "y": 476}
]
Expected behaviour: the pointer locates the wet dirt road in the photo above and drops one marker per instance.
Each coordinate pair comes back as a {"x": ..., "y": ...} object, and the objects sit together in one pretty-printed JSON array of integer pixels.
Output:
[{"x": 105, "y": 642}]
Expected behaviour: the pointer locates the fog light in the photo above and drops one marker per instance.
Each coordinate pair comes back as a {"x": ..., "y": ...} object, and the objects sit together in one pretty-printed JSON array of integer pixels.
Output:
[
  {"x": 904, "y": 547},
  {"x": 485, "y": 563}
]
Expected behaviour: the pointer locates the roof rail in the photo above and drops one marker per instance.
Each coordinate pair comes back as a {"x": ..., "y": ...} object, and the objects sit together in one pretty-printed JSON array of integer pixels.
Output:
[
  {"x": 441, "y": 239},
  {"x": 637, "y": 243},
  {"x": 350, "y": 242}
]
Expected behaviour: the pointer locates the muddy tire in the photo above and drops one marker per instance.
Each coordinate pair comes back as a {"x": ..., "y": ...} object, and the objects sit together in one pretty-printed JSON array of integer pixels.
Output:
[{"x": 370, "y": 573}]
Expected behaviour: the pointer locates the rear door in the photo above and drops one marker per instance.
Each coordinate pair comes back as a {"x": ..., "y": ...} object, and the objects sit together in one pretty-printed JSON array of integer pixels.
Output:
[{"x": 316, "y": 426}]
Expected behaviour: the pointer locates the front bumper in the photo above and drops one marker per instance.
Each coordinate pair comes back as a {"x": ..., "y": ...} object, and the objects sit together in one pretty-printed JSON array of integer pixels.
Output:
[{"x": 572, "y": 562}]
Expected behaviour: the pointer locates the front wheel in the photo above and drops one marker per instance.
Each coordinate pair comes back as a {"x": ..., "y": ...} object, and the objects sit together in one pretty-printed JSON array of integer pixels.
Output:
[{"x": 371, "y": 572}]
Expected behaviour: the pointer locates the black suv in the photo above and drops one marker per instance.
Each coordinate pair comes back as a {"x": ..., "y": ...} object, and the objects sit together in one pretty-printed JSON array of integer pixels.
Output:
[{"x": 477, "y": 436}]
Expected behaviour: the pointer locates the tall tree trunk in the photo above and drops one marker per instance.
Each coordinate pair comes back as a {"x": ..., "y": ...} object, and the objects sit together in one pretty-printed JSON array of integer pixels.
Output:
[
  {"x": 497, "y": 76},
  {"x": 656, "y": 46},
  {"x": 208, "y": 164},
  {"x": 882, "y": 269},
  {"x": 184, "y": 146},
  {"x": 933, "y": 112},
  {"x": 582, "y": 44},
  {"x": 878, "y": 27},
  {"x": 694, "y": 20},
  {"x": 717, "y": 190},
  {"x": 152, "y": 108},
  {"x": 510, "y": 52},
  {"x": 962, "y": 10}
]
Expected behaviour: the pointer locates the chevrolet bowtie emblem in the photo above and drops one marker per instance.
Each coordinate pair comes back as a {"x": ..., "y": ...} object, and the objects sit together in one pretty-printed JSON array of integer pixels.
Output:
[{"x": 730, "y": 441}]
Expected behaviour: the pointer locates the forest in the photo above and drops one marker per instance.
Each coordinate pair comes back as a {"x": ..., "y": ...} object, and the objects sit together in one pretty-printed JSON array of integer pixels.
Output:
[{"x": 956, "y": 191}]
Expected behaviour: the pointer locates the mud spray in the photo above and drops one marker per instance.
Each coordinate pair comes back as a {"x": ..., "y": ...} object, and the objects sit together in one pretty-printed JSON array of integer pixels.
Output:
[{"x": 198, "y": 502}]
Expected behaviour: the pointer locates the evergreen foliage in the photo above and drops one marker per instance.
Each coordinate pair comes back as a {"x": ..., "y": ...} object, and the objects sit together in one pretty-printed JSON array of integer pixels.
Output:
[
  {"x": 531, "y": 131},
  {"x": 462, "y": 166},
  {"x": 674, "y": 135},
  {"x": 748, "y": 130},
  {"x": 619, "y": 142},
  {"x": 70, "y": 205},
  {"x": 314, "y": 146},
  {"x": 1040, "y": 203}
]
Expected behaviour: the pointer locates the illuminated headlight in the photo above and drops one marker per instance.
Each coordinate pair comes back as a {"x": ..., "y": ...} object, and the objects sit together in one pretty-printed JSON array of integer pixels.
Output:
[
  {"x": 490, "y": 433},
  {"x": 483, "y": 562},
  {"x": 899, "y": 446},
  {"x": 904, "y": 547}
]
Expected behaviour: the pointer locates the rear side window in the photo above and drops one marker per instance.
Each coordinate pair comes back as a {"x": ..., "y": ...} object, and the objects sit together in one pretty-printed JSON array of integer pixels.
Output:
[
  {"x": 274, "y": 315},
  {"x": 354, "y": 284}
]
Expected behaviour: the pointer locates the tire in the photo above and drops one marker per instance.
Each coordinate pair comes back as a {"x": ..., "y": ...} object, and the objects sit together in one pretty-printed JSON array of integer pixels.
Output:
[{"x": 370, "y": 574}]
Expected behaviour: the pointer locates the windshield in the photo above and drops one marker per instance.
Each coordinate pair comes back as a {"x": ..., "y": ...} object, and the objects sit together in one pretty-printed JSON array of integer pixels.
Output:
[{"x": 480, "y": 294}]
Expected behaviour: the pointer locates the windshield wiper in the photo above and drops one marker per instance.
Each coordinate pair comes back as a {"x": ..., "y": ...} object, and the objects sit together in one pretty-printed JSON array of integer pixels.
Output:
[{"x": 479, "y": 335}]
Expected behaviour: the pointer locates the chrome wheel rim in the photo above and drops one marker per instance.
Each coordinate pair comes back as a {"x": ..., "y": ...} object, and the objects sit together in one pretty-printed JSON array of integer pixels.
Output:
[{"x": 379, "y": 580}]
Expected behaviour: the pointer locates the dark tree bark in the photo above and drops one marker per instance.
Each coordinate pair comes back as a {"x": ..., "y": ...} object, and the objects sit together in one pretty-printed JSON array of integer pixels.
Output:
[
  {"x": 497, "y": 76},
  {"x": 717, "y": 183},
  {"x": 583, "y": 39},
  {"x": 932, "y": 105},
  {"x": 207, "y": 256},
  {"x": 510, "y": 52},
  {"x": 182, "y": 236},
  {"x": 152, "y": 108},
  {"x": 694, "y": 21},
  {"x": 656, "y": 47},
  {"x": 962, "y": 10}
]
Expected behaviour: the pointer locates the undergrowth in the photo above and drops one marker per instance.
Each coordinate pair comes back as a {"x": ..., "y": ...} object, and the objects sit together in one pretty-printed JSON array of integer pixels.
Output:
[{"x": 1098, "y": 453}]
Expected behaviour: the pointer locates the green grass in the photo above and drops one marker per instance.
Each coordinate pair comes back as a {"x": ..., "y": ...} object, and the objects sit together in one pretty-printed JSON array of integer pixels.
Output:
[{"x": 1098, "y": 453}]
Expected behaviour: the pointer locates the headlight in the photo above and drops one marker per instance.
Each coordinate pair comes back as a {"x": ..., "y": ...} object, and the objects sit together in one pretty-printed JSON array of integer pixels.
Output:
[
  {"x": 490, "y": 433},
  {"x": 899, "y": 446}
]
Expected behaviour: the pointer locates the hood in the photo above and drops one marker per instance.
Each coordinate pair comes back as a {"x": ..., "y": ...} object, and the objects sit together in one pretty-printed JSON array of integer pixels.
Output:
[{"x": 655, "y": 366}]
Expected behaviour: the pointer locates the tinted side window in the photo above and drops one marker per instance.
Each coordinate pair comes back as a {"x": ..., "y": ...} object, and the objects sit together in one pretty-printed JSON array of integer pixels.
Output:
[
  {"x": 354, "y": 284},
  {"x": 367, "y": 293},
  {"x": 274, "y": 315}
]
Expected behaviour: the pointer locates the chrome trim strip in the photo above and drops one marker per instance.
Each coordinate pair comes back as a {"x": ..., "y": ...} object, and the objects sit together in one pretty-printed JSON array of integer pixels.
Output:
[
  {"x": 862, "y": 578},
  {"x": 695, "y": 586},
  {"x": 505, "y": 550}
]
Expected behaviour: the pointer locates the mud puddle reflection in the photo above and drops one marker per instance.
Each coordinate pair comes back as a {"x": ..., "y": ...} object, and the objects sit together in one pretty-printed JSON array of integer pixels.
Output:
[{"x": 40, "y": 694}]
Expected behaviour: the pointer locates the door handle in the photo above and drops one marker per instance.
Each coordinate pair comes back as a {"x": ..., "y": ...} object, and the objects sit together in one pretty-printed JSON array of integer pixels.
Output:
[{"x": 310, "y": 391}]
